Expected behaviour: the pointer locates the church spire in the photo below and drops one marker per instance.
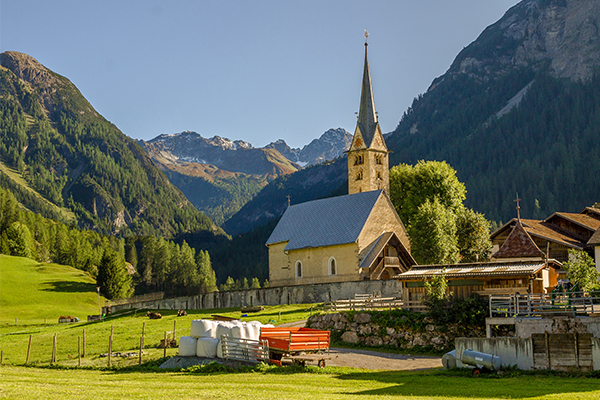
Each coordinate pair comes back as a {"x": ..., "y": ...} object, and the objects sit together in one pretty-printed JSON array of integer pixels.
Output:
[
  {"x": 368, "y": 163},
  {"x": 367, "y": 116}
]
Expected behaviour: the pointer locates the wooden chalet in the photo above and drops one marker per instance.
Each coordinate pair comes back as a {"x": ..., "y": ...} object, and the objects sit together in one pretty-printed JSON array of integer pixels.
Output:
[{"x": 556, "y": 234}]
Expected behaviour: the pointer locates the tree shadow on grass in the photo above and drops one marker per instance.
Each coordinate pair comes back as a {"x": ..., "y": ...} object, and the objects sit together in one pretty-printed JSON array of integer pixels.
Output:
[
  {"x": 69, "y": 287},
  {"x": 434, "y": 384}
]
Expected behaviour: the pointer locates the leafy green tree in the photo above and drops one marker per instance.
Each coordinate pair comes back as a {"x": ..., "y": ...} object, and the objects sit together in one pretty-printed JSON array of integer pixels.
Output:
[
  {"x": 433, "y": 234},
  {"x": 113, "y": 279},
  {"x": 17, "y": 240},
  {"x": 581, "y": 270},
  {"x": 437, "y": 287},
  {"x": 473, "y": 235},
  {"x": 429, "y": 200},
  {"x": 411, "y": 186}
]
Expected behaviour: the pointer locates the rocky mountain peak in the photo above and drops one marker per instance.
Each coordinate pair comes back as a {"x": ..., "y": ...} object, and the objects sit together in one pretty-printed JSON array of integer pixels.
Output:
[
  {"x": 27, "y": 68},
  {"x": 562, "y": 35}
]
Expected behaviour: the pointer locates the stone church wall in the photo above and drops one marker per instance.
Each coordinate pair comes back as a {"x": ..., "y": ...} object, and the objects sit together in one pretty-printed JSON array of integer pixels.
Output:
[{"x": 299, "y": 294}]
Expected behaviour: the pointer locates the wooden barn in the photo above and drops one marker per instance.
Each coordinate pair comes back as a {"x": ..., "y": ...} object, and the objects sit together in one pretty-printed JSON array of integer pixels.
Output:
[{"x": 484, "y": 278}]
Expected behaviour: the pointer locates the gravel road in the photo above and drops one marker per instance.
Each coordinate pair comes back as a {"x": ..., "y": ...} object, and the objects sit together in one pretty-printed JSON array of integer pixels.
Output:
[{"x": 375, "y": 360}]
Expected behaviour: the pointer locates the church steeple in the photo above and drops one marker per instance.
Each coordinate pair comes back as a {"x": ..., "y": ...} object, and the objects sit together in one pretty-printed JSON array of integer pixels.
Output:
[
  {"x": 367, "y": 116},
  {"x": 368, "y": 164}
]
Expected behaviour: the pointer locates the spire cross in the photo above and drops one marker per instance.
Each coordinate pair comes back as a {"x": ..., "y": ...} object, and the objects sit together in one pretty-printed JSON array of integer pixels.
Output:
[
  {"x": 366, "y": 36},
  {"x": 518, "y": 206}
]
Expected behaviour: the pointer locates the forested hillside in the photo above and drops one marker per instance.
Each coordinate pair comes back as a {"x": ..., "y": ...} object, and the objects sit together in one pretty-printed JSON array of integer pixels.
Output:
[
  {"x": 154, "y": 264},
  {"x": 59, "y": 147},
  {"x": 517, "y": 112}
]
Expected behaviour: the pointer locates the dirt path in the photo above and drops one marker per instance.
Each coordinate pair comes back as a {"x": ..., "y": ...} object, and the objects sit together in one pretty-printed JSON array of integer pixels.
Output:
[{"x": 375, "y": 360}]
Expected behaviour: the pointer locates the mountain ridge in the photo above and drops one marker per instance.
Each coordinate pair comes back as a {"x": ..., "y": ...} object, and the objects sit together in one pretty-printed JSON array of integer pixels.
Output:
[{"x": 75, "y": 158}]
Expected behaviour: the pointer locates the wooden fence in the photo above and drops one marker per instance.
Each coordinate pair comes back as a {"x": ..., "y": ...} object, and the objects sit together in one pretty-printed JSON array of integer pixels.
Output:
[{"x": 373, "y": 303}]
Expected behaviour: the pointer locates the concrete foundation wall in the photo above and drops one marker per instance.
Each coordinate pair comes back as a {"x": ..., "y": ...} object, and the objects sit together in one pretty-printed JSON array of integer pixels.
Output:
[
  {"x": 512, "y": 351},
  {"x": 525, "y": 327},
  {"x": 300, "y": 294}
]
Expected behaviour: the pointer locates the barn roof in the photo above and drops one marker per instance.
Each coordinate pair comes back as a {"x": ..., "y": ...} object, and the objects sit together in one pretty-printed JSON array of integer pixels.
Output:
[
  {"x": 325, "y": 222},
  {"x": 595, "y": 239},
  {"x": 474, "y": 270},
  {"x": 518, "y": 244}
]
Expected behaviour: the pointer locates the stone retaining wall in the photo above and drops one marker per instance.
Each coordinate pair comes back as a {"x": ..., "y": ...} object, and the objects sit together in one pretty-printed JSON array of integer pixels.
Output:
[{"x": 357, "y": 328}]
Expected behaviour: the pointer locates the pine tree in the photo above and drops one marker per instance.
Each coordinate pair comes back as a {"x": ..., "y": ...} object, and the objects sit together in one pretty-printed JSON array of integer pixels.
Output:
[{"x": 113, "y": 279}]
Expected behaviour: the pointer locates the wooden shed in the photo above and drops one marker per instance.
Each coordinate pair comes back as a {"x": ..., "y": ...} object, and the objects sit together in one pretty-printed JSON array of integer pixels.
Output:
[{"x": 484, "y": 278}]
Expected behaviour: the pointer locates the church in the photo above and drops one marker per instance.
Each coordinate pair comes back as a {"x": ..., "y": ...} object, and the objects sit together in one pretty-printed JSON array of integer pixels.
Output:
[{"x": 354, "y": 237}]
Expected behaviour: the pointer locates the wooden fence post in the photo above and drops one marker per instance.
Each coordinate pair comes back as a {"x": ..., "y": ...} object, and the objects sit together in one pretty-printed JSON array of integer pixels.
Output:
[
  {"x": 1, "y": 357},
  {"x": 174, "y": 329},
  {"x": 141, "y": 349},
  {"x": 165, "y": 351},
  {"x": 144, "y": 329},
  {"x": 79, "y": 351},
  {"x": 28, "y": 349},
  {"x": 83, "y": 340},
  {"x": 54, "y": 344},
  {"x": 110, "y": 342}
]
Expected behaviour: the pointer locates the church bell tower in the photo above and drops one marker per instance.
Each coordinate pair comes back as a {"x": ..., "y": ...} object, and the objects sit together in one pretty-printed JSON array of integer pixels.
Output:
[{"x": 368, "y": 162}]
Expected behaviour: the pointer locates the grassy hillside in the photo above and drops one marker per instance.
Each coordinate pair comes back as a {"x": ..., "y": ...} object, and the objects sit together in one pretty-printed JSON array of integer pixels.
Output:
[
  {"x": 31, "y": 291},
  {"x": 76, "y": 159}
]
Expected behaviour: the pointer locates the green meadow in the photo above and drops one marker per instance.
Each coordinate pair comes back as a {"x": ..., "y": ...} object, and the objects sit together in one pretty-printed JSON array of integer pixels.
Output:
[
  {"x": 29, "y": 291},
  {"x": 340, "y": 383}
]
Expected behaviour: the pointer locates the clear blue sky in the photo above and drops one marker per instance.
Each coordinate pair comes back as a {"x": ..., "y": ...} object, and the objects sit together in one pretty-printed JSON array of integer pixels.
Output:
[{"x": 251, "y": 70}]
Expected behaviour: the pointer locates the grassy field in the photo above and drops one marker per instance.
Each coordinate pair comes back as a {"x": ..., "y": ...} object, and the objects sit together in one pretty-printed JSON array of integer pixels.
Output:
[
  {"x": 36, "y": 383},
  {"x": 31, "y": 291}
]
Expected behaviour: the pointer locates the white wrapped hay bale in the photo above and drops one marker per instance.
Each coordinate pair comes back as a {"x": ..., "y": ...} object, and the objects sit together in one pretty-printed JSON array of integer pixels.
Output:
[
  {"x": 207, "y": 347},
  {"x": 253, "y": 330},
  {"x": 223, "y": 328},
  {"x": 187, "y": 346},
  {"x": 237, "y": 330},
  {"x": 202, "y": 328}
]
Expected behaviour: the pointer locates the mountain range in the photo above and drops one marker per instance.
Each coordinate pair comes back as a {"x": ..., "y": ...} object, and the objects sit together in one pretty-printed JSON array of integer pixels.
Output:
[{"x": 219, "y": 175}]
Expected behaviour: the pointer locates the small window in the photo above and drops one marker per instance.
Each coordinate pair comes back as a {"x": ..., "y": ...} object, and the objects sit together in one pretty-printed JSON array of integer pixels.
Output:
[
  {"x": 359, "y": 176},
  {"x": 358, "y": 160},
  {"x": 379, "y": 159},
  {"x": 332, "y": 266},
  {"x": 379, "y": 176},
  {"x": 298, "y": 269}
]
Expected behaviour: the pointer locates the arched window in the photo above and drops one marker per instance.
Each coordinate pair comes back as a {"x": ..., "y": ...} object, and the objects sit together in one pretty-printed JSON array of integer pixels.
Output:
[
  {"x": 358, "y": 160},
  {"x": 332, "y": 266},
  {"x": 379, "y": 159},
  {"x": 379, "y": 176},
  {"x": 298, "y": 269},
  {"x": 359, "y": 176}
]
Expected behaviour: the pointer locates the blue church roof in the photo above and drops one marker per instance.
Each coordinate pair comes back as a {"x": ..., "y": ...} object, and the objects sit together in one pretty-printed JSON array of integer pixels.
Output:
[{"x": 325, "y": 222}]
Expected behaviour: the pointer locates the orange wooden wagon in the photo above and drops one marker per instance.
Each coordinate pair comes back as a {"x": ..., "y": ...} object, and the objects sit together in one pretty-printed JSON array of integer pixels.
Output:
[{"x": 298, "y": 344}]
